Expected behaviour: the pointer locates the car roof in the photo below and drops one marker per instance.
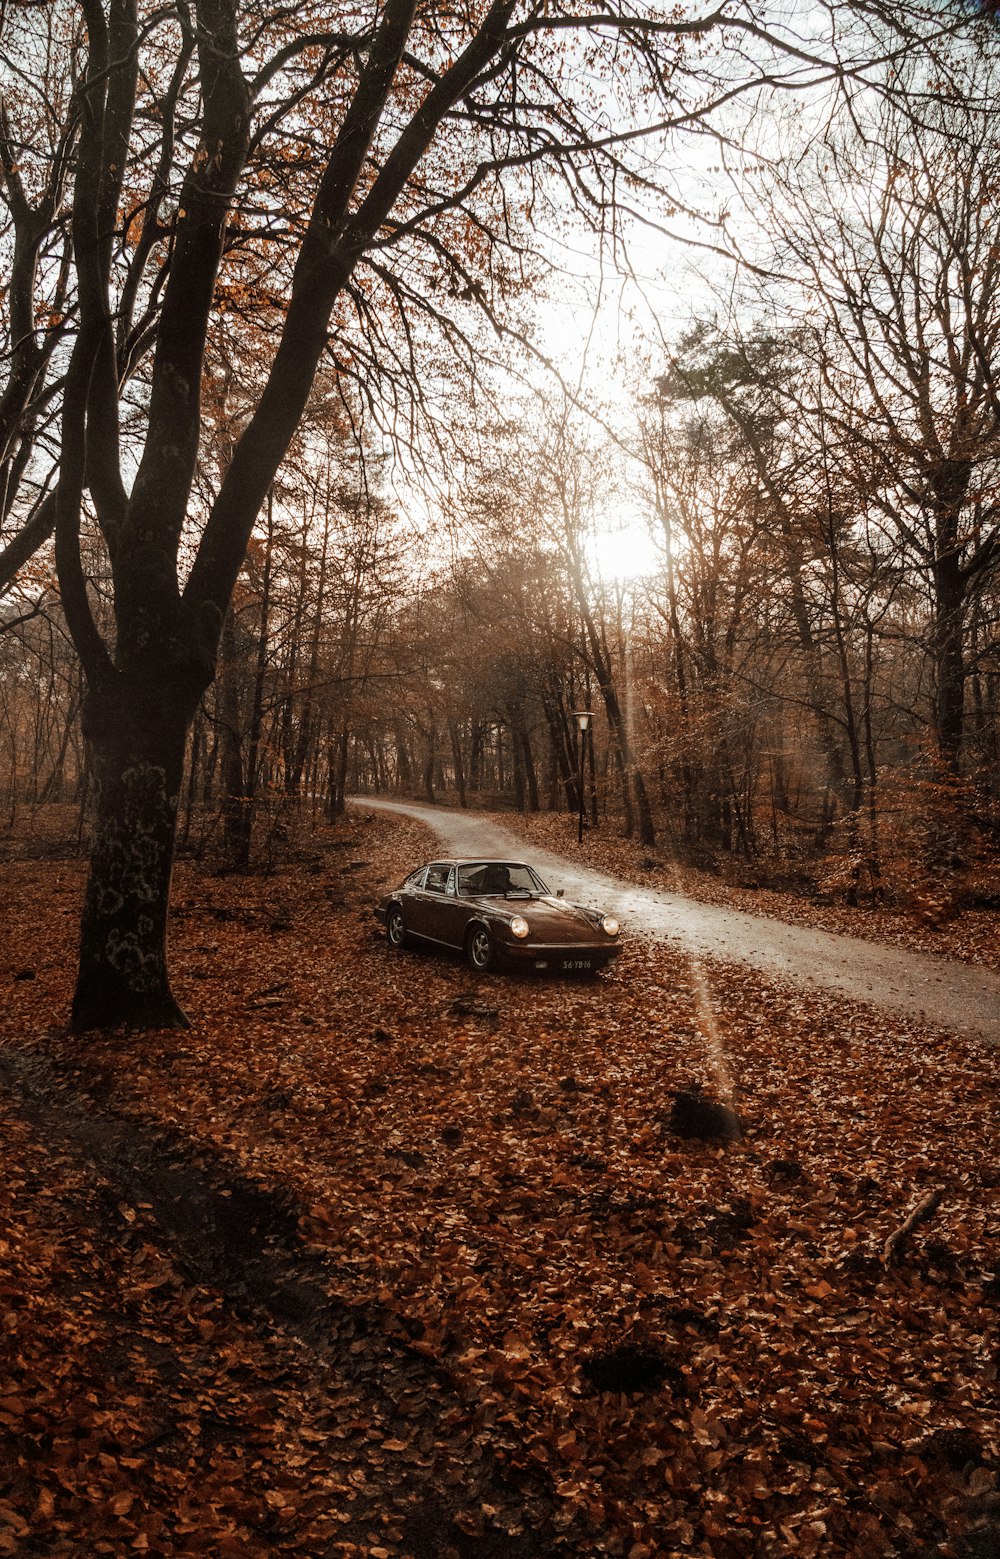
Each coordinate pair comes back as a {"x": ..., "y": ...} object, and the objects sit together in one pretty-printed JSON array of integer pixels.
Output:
[{"x": 474, "y": 860}]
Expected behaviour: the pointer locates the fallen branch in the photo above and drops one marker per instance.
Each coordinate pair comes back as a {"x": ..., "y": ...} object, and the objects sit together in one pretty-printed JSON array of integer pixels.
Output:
[
  {"x": 895, "y": 1245},
  {"x": 471, "y": 1009}
]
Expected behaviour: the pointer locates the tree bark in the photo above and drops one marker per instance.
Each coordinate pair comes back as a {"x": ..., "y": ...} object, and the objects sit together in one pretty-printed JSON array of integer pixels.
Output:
[
  {"x": 241, "y": 858},
  {"x": 517, "y": 761},
  {"x": 949, "y": 660},
  {"x": 459, "y": 765},
  {"x": 235, "y": 806},
  {"x": 634, "y": 794},
  {"x": 476, "y": 757},
  {"x": 404, "y": 768},
  {"x": 136, "y": 734},
  {"x": 529, "y": 771},
  {"x": 561, "y": 753},
  {"x": 339, "y": 790}
]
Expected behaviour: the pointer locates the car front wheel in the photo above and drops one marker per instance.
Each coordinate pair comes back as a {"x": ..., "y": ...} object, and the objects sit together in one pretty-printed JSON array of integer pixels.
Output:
[
  {"x": 479, "y": 949},
  {"x": 395, "y": 927}
]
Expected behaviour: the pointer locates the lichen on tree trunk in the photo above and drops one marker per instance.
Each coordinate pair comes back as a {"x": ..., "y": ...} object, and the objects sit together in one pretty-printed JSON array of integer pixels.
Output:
[{"x": 137, "y": 744}]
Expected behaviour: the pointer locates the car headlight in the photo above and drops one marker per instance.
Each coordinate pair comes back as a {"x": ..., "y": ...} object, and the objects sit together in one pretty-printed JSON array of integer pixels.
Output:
[
  {"x": 610, "y": 925},
  {"x": 519, "y": 926}
]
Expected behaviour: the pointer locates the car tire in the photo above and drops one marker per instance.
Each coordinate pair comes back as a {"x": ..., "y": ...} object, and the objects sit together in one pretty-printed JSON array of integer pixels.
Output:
[
  {"x": 480, "y": 953},
  {"x": 395, "y": 927}
]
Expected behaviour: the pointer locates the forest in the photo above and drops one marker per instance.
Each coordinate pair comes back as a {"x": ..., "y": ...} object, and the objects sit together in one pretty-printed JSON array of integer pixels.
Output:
[
  {"x": 803, "y": 664},
  {"x": 580, "y": 423}
]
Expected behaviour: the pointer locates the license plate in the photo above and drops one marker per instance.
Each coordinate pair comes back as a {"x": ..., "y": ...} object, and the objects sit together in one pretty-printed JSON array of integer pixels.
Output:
[{"x": 577, "y": 963}]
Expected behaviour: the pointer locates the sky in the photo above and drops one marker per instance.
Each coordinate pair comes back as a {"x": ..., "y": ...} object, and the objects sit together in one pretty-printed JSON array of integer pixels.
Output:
[{"x": 603, "y": 330}]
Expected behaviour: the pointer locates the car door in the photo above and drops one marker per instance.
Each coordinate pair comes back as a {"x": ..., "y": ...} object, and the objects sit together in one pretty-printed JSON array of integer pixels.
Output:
[
  {"x": 452, "y": 913},
  {"x": 430, "y": 902},
  {"x": 409, "y": 897}
]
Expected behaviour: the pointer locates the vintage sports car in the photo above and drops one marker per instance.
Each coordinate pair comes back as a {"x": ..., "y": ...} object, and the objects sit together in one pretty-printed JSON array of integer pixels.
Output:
[{"x": 497, "y": 912}]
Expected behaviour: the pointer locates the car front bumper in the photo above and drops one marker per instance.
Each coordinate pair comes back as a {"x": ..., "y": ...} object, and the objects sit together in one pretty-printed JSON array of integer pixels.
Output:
[{"x": 578, "y": 958}]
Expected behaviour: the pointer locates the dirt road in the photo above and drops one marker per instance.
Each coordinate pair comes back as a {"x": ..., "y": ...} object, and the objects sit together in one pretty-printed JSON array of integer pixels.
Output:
[{"x": 940, "y": 992}]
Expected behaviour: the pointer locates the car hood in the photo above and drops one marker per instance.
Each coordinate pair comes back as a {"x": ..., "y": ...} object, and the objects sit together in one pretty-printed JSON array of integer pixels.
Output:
[{"x": 550, "y": 917}]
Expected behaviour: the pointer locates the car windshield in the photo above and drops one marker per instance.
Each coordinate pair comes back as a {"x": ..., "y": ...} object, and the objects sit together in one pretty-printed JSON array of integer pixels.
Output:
[{"x": 501, "y": 879}]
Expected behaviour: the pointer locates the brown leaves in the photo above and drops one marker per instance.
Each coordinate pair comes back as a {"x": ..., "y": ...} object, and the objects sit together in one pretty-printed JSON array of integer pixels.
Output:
[{"x": 485, "y": 1169}]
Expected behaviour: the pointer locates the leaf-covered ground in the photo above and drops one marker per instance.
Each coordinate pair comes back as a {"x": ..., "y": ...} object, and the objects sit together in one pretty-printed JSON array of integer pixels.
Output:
[{"x": 473, "y": 1294}]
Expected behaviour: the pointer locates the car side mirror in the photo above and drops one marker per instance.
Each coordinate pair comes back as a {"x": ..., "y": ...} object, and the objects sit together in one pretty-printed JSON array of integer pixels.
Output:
[{"x": 560, "y": 893}]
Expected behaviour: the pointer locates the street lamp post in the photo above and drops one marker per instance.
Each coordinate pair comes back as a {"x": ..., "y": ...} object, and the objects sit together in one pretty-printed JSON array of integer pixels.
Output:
[{"x": 583, "y": 718}]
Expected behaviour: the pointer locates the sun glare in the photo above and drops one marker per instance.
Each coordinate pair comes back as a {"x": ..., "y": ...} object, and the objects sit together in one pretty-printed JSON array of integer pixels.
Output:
[{"x": 622, "y": 553}]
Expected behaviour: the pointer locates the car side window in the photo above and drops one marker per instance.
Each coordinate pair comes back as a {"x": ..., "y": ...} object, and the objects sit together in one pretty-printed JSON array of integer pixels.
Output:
[
  {"x": 415, "y": 879},
  {"x": 449, "y": 886},
  {"x": 437, "y": 879}
]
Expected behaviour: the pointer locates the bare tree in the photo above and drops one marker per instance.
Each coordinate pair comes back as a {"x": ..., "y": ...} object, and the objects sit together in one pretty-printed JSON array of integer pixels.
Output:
[
  {"x": 307, "y": 174},
  {"x": 38, "y": 126},
  {"x": 892, "y": 237}
]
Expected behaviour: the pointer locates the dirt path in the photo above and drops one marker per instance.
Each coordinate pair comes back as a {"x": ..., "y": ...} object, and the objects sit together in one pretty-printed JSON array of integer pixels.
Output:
[{"x": 941, "y": 992}]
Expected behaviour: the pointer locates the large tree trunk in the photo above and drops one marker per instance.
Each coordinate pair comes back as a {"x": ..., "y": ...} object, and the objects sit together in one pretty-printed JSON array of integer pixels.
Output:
[{"x": 136, "y": 735}]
